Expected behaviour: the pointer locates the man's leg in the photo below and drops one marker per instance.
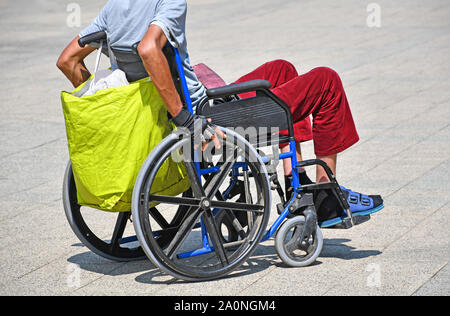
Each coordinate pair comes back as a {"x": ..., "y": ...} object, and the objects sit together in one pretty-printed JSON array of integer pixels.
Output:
[
  {"x": 331, "y": 161},
  {"x": 279, "y": 72},
  {"x": 320, "y": 93}
]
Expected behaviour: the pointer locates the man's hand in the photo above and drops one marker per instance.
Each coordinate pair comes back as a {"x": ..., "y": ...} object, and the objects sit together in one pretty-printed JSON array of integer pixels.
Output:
[
  {"x": 199, "y": 126},
  {"x": 214, "y": 137}
]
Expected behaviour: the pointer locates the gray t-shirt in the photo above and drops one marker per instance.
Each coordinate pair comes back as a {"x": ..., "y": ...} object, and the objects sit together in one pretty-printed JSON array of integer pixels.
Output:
[{"x": 127, "y": 21}]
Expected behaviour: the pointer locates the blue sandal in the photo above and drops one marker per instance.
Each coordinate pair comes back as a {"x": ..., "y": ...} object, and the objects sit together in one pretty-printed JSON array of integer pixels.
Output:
[
  {"x": 331, "y": 214},
  {"x": 361, "y": 204}
]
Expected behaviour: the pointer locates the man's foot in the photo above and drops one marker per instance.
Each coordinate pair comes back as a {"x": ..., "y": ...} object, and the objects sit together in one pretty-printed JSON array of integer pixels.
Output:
[
  {"x": 363, "y": 204},
  {"x": 330, "y": 212}
]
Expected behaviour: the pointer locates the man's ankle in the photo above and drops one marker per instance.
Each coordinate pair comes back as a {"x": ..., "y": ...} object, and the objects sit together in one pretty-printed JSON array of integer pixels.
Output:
[{"x": 303, "y": 179}]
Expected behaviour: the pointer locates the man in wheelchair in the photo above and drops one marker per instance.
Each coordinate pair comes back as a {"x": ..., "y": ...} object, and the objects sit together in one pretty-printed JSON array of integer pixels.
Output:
[{"x": 319, "y": 92}]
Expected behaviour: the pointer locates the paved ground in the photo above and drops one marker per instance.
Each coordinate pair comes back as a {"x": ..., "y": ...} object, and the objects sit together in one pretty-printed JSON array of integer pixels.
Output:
[{"x": 398, "y": 84}]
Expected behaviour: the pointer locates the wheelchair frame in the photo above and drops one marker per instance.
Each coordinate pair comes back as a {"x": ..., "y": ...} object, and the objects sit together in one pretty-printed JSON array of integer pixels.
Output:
[{"x": 291, "y": 154}]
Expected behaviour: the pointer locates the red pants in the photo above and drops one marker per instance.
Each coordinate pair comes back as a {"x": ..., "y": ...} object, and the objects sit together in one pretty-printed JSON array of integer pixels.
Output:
[{"x": 318, "y": 92}]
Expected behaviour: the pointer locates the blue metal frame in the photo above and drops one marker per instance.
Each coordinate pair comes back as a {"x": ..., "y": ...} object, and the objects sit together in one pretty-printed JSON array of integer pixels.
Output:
[{"x": 292, "y": 154}]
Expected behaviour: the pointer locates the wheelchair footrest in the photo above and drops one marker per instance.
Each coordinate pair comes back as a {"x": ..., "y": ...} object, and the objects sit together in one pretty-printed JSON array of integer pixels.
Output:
[{"x": 347, "y": 222}]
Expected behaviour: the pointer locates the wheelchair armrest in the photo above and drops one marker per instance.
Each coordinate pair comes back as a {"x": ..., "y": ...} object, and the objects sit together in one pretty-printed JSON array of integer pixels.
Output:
[{"x": 238, "y": 88}]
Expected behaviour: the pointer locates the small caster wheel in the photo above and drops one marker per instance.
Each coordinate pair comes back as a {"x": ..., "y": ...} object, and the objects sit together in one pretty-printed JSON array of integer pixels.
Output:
[{"x": 293, "y": 251}]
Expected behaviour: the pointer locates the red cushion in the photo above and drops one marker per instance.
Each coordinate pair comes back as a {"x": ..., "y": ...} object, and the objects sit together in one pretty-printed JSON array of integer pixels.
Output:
[{"x": 208, "y": 77}]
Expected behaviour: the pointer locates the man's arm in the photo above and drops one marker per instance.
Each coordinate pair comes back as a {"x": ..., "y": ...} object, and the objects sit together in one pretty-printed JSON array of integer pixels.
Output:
[
  {"x": 71, "y": 62},
  {"x": 150, "y": 50}
]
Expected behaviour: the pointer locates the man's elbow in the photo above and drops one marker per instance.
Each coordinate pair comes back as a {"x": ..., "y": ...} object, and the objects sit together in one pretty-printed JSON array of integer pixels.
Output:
[
  {"x": 148, "y": 51},
  {"x": 63, "y": 62}
]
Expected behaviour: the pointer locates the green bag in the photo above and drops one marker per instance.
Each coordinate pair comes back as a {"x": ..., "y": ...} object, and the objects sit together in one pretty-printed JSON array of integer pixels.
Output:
[{"x": 110, "y": 134}]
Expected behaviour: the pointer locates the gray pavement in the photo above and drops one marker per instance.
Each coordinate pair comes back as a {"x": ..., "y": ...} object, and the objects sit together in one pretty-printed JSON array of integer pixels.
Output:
[{"x": 398, "y": 84}]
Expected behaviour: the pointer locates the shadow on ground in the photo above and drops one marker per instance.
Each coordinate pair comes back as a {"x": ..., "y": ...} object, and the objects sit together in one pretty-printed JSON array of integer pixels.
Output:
[
  {"x": 263, "y": 258},
  {"x": 336, "y": 248}
]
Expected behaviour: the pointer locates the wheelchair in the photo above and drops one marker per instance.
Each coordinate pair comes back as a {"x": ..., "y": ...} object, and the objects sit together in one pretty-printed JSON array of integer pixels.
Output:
[{"x": 215, "y": 226}]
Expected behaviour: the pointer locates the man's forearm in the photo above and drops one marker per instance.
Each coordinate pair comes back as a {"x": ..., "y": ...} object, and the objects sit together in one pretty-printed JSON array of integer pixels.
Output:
[
  {"x": 71, "y": 62},
  {"x": 156, "y": 65}
]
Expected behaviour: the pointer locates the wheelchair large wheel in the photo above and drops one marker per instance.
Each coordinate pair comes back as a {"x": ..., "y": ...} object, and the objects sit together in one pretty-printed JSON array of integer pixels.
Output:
[
  {"x": 186, "y": 256},
  {"x": 110, "y": 244}
]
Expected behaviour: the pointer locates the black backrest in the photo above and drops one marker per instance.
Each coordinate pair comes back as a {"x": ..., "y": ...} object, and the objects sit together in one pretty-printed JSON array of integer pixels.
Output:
[
  {"x": 130, "y": 63},
  {"x": 170, "y": 56}
]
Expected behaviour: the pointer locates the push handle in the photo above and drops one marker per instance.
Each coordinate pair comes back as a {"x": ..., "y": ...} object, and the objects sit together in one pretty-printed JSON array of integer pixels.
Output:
[
  {"x": 134, "y": 48},
  {"x": 91, "y": 38}
]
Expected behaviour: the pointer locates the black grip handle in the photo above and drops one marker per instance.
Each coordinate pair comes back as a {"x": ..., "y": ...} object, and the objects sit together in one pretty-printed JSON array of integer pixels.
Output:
[
  {"x": 239, "y": 88},
  {"x": 90, "y": 38},
  {"x": 135, "y": 48}
]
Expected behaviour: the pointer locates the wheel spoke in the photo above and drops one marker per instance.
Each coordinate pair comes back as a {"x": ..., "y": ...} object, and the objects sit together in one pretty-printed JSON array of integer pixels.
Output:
[
  {"x": 292, "y": 244},
  {"x": 236, "y": 224},
  {"x": 217, "y": 180},
  {"x": 310, "y": 249},
  {"x": 164, "y": 236},
  {"x": 211, "y": 227},
  {"x": 248, "y": 198},
  {"x": 119, "y": 229},
  {"x": 184, "y": 231},
  {"x": 158, "y": 217},
  {"x": 194, "y": 179},
  {"x": 174, "y": 200},
  {"x": 232, "y": 218},
  {"x": 236, "y": 206}
]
